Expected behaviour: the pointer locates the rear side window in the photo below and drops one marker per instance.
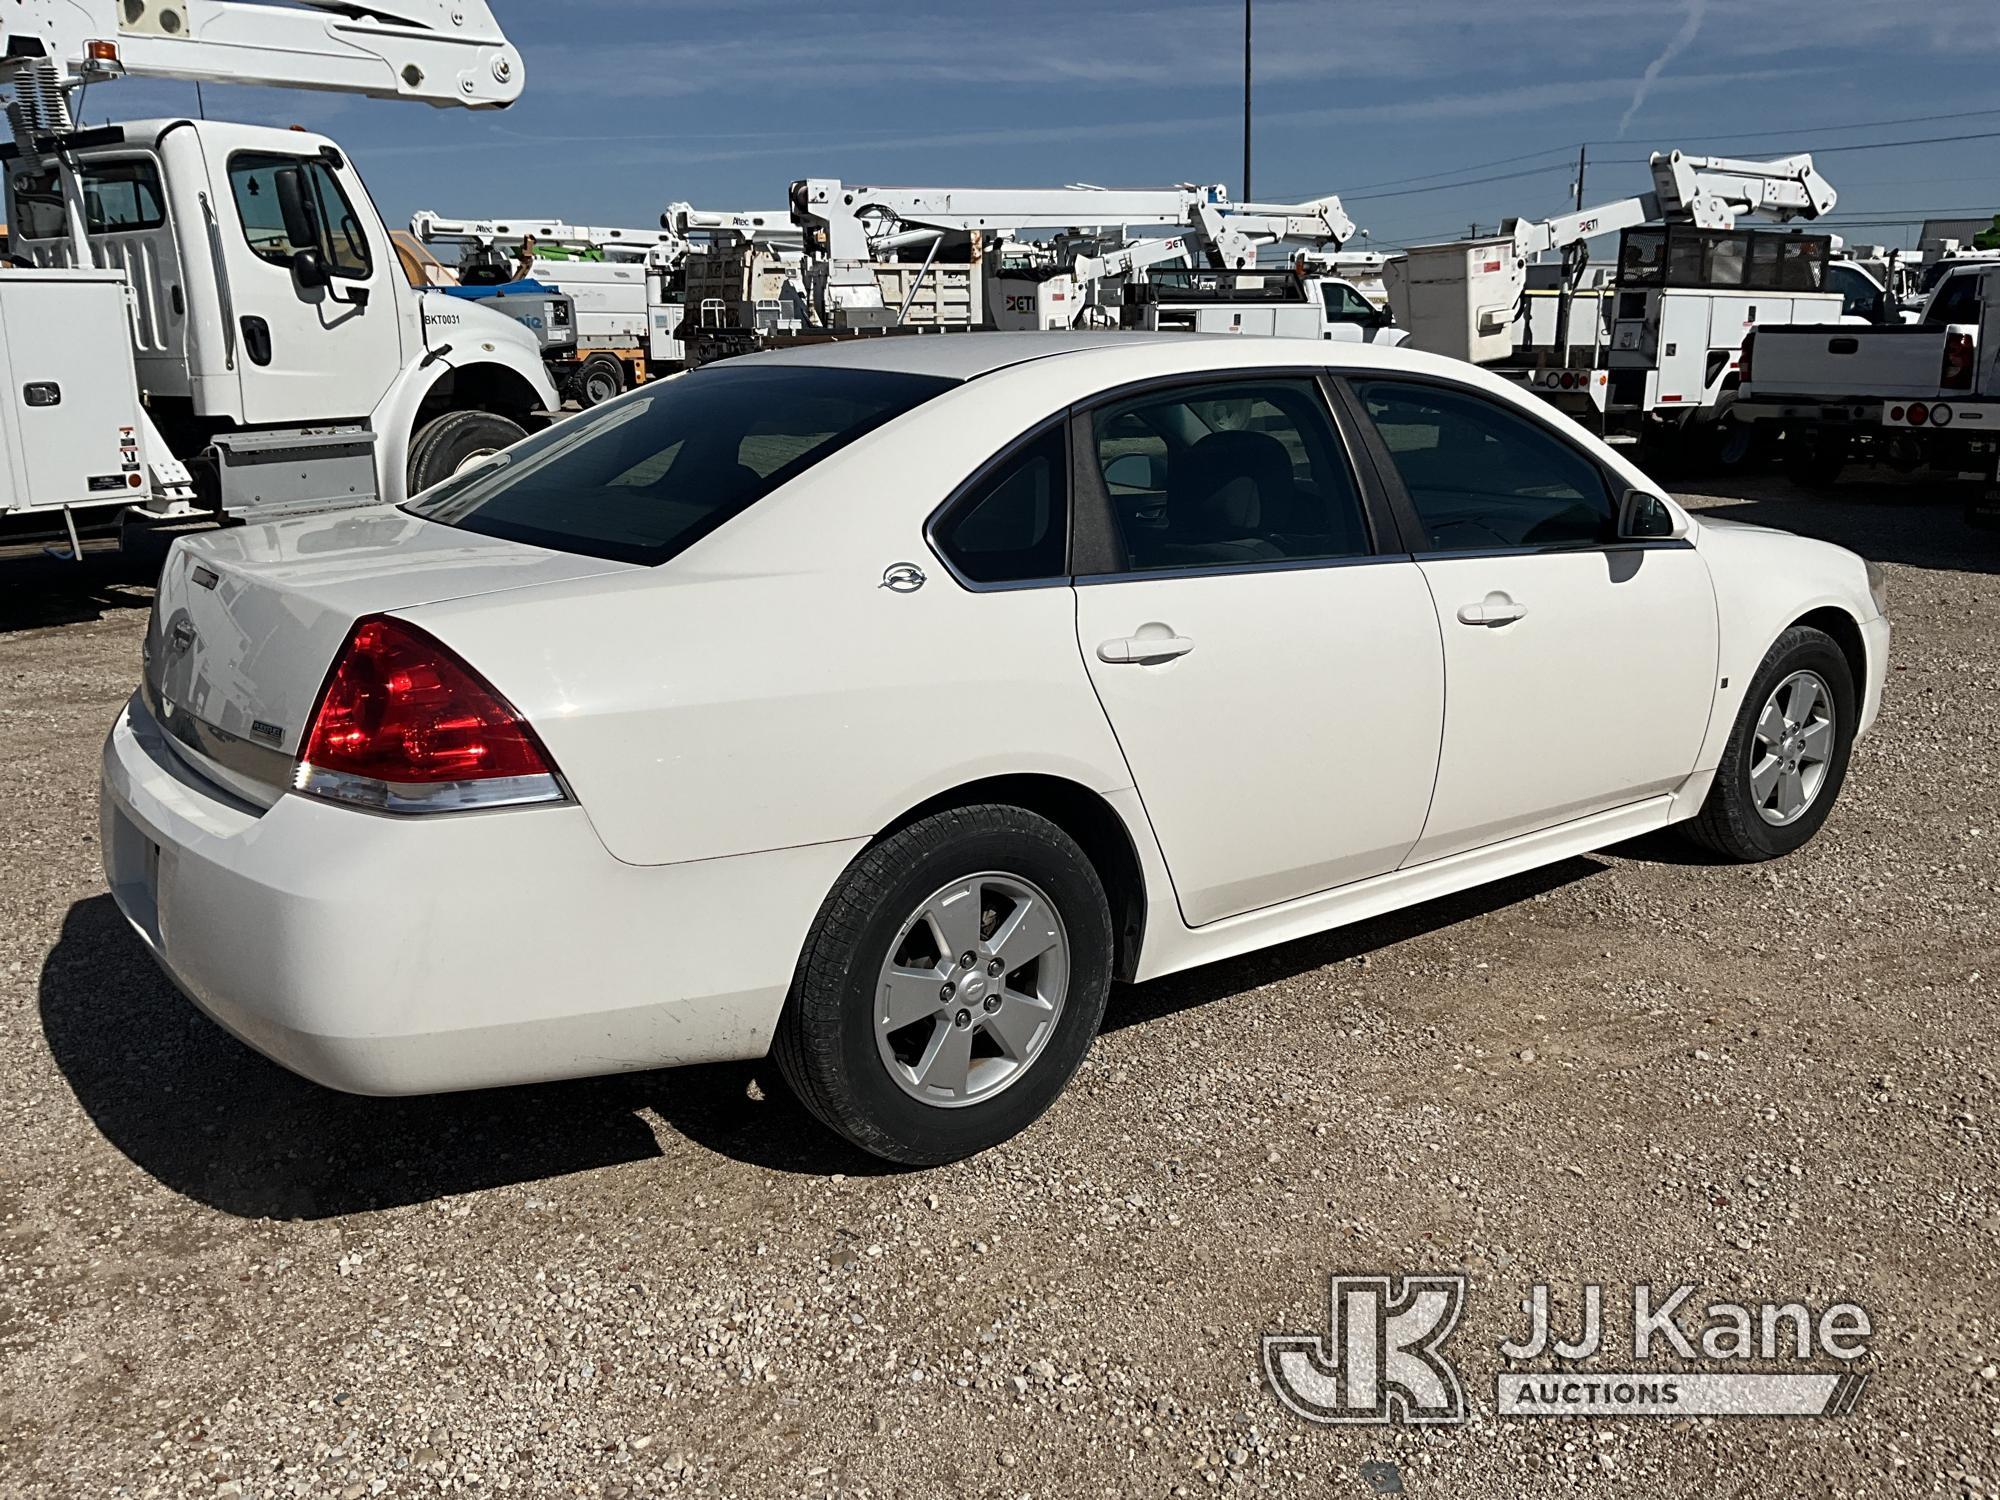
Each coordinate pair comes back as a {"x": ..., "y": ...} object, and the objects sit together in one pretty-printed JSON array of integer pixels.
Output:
[
  {"x": 1013, "y": 525},
  {"x": 644, "y": 477},
  {"x": 1482, "y": 477},
  {"x": 118, "y": 196},
  {"x": 1957, "y": 302}
]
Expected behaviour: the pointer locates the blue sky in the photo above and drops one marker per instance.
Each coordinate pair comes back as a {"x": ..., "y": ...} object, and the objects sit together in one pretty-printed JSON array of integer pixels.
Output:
[{"x": 631, "y": 104}]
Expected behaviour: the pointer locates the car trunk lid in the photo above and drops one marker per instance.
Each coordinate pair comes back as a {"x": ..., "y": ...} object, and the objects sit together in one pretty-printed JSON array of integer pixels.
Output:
[{"x": 248, "y": 621}]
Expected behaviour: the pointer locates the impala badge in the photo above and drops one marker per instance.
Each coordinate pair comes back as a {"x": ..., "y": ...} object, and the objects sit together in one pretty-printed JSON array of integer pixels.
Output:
[{"x": 902, "y": 578}]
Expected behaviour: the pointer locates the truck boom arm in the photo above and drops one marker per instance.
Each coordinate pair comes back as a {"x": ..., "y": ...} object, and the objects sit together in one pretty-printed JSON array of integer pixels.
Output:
[
  {"x": 448, "y": 53},
  {"x": 1706, "y": 191}
]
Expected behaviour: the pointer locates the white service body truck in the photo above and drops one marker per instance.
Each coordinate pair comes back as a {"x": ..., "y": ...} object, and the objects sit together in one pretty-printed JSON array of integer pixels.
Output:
[
  {"x": 275, "y": 356},
  {"x": 1914, "y": 395}
]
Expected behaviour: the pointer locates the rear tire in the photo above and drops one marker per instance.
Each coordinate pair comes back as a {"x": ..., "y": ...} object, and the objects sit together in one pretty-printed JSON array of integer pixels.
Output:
[
  {"x": 873, "y": 958},
  {"x": 455, "y": 441},
  {"x": 1748, "y": 816},
  {"x": 601, "y": 379},
  {"x": 1816, "y": 461}
]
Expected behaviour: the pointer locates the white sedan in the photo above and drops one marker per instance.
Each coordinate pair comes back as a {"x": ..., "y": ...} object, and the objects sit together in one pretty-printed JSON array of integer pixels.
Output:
[{"x": 877, "y": 705}]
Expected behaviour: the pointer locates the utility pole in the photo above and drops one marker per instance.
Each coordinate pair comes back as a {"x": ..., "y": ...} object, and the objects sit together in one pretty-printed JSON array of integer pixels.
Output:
[
  {"x": 1246, "y": 102},
  {"x": 1582, "y": 164}
]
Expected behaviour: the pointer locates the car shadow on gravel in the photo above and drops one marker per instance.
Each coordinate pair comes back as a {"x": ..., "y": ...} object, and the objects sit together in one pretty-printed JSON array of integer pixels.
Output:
[
  {"x": 210, "y": 1119},
  {"x": 1137, "y": 1005},
  {"x": 39, "y": 592},
  {"x": 1914, "y": 521}
]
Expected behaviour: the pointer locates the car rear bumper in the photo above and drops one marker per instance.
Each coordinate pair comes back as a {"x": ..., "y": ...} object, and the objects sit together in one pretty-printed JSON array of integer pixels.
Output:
[{"x": 386, "y": 955}]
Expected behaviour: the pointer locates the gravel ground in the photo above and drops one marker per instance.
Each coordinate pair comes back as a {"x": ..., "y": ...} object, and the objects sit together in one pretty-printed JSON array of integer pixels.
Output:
[{"x": 1778, "y": 1082}]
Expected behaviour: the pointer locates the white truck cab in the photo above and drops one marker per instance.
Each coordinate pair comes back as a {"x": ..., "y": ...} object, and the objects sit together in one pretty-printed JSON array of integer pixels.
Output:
[{"x": 265, "y": 294}]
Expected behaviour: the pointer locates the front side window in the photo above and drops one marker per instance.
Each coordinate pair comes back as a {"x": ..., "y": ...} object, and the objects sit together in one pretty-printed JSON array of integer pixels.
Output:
[
  {"x": 1013, "y": 525},
  {"x": 1228, "y": 474},
  {"x": 337, "y": 235},
  {"x": 1482, "y": 477},
  {"x": 1859, "y": 297},
  {"x": 642, "y": 478},
  {"x": 118, "y": 197},
  {"x": 1346, "y": 305}
]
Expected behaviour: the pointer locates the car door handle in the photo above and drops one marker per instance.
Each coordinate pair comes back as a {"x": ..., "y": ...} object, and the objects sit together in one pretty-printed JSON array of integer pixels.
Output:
[
  {"x": 1144, "y": 648},
  {"x": 1494, "y": 609}
]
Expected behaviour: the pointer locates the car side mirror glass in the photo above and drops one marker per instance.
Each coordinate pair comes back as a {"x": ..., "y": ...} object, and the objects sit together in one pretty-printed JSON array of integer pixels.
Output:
[
  {"x": 1133, "y": 471},
  {"x": 1645, "y": 517}
]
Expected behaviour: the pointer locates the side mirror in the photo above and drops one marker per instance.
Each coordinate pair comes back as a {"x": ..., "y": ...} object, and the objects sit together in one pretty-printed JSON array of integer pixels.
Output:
[
  {"x": 301, "y": 222},
  {"x": 309, "y": 271},
  {"x": 1644, "y": 517},
  {"x": 1132, "y": 471}
]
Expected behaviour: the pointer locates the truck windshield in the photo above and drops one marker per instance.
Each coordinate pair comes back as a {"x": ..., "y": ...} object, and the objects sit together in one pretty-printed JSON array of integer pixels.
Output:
[
  {"x": 117, "y": 196},
  {"x": 643, "y": 478}
]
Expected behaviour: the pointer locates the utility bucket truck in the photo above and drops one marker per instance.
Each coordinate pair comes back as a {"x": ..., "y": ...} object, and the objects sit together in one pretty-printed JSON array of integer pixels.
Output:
[
  {"x": 905, "y": 259},
  {"x": 1660, "y": 361},
  {"x": 607, "y": 303},
  {"x": 274, "y": 356}
]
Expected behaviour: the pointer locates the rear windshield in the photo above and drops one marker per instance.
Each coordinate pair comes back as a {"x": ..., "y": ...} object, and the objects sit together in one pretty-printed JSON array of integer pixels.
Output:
[{"x": 645, "y": 477}]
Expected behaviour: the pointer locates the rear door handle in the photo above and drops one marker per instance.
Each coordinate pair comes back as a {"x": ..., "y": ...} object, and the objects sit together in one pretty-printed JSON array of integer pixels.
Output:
[
  {"x": 1494, "y": 609},
  {"x": 1144, "y": 648}
]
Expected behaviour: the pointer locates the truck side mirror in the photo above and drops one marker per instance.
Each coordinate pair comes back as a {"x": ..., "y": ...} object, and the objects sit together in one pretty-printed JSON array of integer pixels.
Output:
[
  {"x": 309, "y": 271},
  {"x": 301, "y": 227},
  {"x": 1644, "y": 517}
]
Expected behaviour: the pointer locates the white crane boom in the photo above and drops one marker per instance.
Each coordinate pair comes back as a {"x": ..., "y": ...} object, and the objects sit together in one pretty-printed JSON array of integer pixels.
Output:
[
  {"x": 843, "y": 212},
  {"x": 758, "y": 226},
  {"x": 1706, "y": 191},
  {"x": 448, "y": 53},
  {"x": 434, "y": 228},
  {"x": 850, "y": 225}
]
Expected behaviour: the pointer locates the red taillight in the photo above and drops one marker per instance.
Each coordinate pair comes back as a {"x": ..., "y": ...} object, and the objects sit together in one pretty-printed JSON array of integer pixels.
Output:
[
  {"x": 405, "y": 725},
  {"x": 1743, "y": 359},
  {"x": 1957, "y": 362},
  {"x": 1919, "y": 413}
]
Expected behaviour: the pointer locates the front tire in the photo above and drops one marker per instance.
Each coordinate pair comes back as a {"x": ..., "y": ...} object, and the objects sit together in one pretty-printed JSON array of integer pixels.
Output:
[
  {"x": 1787, "y": 754},
  {"x": 951, "y": 985},
  {"x": 455, "y": 441}
]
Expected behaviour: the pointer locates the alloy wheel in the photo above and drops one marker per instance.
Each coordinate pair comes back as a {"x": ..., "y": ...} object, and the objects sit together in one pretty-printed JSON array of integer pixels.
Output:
[
  {"x": 1793, "y": 749},
  {"x": 972, "y": 989}
]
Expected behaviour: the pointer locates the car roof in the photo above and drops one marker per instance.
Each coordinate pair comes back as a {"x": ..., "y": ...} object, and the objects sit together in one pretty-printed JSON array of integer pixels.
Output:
[
  {"x": 959, "y": 355},
  {"x": 967, "y": 355}
]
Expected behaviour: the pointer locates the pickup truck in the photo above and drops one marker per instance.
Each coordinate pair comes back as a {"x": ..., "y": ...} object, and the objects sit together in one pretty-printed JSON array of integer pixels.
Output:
[{"x": 1914, "y": 395}]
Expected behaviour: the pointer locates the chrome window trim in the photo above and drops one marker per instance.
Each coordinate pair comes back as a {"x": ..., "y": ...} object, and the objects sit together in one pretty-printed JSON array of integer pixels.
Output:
[
  {"x": 1267, "y": 565},
  {"x": 1632, "y": 544}
]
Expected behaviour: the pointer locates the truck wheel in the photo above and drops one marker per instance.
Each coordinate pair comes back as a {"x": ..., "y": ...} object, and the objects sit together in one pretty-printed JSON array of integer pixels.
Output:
[
  {"x": 456, "y": 441},
  {"x": 601, "y": 378},
  {"x": 1816, "y": 462},
  {"x": 1734, "y": 445}
]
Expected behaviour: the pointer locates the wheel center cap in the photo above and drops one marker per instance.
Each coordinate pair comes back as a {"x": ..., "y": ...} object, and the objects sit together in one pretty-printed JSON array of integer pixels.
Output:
[{"x": 972, "y": 987}]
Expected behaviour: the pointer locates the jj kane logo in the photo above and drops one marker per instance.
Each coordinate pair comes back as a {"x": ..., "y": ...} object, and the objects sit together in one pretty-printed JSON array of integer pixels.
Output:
[{"x": 1382, "y": 1357}]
